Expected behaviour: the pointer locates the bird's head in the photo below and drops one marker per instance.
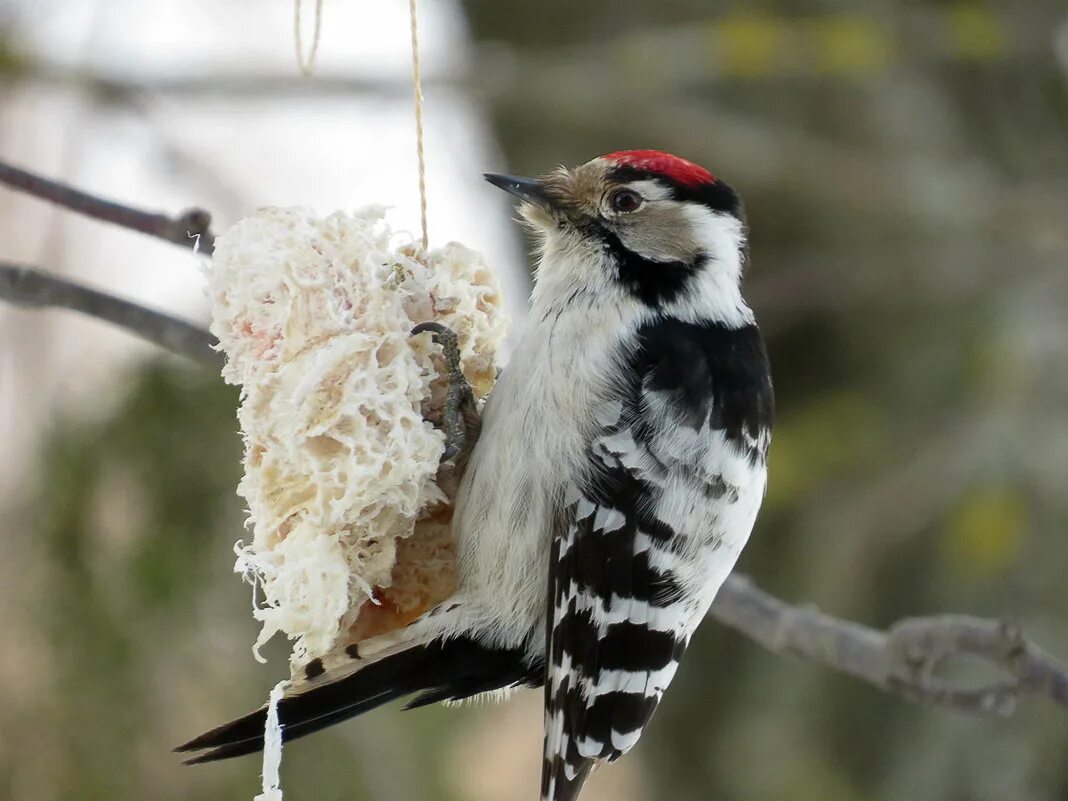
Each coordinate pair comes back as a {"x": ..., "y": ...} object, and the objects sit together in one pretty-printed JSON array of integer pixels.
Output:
[{"x": 641, "y": 224}]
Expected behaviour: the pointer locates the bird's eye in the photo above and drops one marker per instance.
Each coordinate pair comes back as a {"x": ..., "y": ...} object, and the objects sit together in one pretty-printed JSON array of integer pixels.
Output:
[{"x": 626, "y": 200}]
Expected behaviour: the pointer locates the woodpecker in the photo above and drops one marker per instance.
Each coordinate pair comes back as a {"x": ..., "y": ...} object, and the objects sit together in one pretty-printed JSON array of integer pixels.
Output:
[{"x": 617, "y": 475}]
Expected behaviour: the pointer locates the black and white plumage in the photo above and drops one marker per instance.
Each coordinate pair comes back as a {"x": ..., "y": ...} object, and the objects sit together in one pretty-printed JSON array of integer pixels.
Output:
[
  {"x": 648, "y": 536},
  {"x": 618, "y": 474}
]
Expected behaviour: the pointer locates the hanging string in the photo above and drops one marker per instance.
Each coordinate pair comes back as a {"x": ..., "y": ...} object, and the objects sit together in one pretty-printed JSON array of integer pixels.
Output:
[
  {"x": 418, "y": 86},
  {"x": 306, "y": 65}
]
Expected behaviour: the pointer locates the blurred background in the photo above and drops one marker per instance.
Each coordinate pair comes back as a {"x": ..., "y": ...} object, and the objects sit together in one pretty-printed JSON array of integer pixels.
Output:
[{"x": 905, "y": 167}]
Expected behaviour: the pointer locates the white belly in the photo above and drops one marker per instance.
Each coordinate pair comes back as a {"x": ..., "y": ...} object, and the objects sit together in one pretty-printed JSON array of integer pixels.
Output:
[{"x": 535, "y": 427}]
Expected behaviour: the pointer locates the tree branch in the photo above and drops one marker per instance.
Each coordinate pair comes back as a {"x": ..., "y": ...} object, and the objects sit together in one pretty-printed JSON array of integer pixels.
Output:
[
  {"x": 181, "y": 230},
  {"x": 903, "y": 658},
  {"x": 28, "y": 287}
]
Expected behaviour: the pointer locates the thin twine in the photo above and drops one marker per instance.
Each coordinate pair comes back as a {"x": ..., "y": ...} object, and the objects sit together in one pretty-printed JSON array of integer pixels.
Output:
[
  {"x": 417, "y": 85},
  {"x": 306, "y": 65}
]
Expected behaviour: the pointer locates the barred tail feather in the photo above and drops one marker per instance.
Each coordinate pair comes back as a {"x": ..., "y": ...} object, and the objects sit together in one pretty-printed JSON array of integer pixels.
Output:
[{"x": 562, "y": 781}]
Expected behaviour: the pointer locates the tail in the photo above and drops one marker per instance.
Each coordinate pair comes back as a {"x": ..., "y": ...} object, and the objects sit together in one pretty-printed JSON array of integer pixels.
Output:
[
  {"x": 442, "y": 670},
  {"x": 562, "y": 782},
  {"x": 564, "y": 770}
]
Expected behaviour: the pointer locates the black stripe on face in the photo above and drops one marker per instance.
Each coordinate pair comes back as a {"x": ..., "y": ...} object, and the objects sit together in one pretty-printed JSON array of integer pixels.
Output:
[{"x": 654, "y": 283}]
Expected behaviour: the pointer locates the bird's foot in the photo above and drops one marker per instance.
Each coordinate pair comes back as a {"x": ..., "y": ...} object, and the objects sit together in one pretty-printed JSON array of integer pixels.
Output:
[{"x": 460, "y": 416}]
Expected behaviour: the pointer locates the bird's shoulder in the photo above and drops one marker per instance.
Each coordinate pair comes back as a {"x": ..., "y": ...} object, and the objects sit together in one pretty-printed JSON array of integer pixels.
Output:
[{"x": 704, "y": 374}]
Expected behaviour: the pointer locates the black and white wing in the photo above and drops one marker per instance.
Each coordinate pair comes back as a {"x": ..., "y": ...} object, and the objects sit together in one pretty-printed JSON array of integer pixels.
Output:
[{"x": 676, "y": 475}]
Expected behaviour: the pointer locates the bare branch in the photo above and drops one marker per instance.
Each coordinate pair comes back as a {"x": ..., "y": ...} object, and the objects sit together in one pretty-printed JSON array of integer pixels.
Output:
[
  {"x": 181, "y": 230},
  {"x": 903, "y": 658},
  {"x": 25, "y": 286}
]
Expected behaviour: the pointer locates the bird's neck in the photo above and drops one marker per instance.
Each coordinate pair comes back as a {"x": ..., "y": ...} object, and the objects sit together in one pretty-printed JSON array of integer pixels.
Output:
[
  {"x": 586, "y": 279},
  {"x": 712, "y": 295}
]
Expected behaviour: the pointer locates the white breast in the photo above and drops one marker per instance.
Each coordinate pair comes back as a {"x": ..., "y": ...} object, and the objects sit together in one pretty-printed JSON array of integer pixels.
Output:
[{"x": 535, "y": 427}]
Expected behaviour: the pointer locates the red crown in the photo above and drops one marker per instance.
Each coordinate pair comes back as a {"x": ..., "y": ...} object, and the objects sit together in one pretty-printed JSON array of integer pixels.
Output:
[{"x": 671, "y": 167}]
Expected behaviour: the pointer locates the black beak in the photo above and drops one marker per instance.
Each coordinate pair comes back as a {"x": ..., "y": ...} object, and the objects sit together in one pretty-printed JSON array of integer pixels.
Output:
[{"x": 529, "y": 190}]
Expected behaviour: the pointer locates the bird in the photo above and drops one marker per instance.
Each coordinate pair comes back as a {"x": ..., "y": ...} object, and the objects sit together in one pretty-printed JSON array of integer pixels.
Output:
[{"x": 619, "y": 468}]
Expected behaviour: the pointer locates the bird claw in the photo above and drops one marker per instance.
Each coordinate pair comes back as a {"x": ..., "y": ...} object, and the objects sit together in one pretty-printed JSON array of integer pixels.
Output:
[
  {"x": 459, "y": 399},
  {"x": 436, "y": 328}
]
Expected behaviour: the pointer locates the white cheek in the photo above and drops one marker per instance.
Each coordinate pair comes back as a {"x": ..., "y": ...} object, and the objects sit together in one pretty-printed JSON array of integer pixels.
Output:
[
  {"x": 720, "y": 235},
  {"x": 716, "y": 294}
]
